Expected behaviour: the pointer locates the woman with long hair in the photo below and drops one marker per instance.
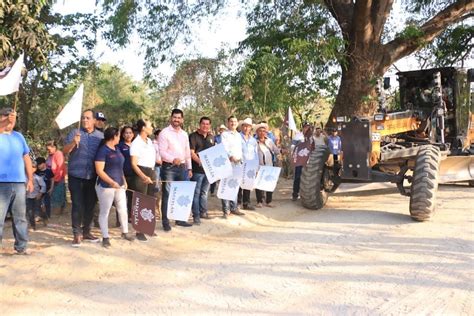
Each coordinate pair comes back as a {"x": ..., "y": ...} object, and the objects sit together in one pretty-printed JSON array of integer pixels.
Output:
[
  {"x": 126, "y": 137},
  {"x": 111, "y": 184},
  {"x": 143, "y": 160}
]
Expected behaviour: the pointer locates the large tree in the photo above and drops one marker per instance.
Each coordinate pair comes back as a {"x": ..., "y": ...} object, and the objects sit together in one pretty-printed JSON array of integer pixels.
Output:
[{"x": 369, "y": 48}]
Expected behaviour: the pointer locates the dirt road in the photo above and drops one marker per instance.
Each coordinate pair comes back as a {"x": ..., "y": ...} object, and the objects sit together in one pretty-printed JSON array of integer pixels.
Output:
[{"x": 362, "y": 254}]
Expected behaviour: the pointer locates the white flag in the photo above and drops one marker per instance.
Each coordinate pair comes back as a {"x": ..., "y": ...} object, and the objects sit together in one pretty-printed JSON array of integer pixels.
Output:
[
  {"x": 229, "y": 187},
  {"x": 180, "y": 200},
  {"x": 216, "y": 163},
  {"x": 291, "y": 120},
  {"x": 72, "y": 111},
  {"x": 267, "y": 178},
  {"x": 11, "y": 82},
  {"x": 249, "y": 173}
]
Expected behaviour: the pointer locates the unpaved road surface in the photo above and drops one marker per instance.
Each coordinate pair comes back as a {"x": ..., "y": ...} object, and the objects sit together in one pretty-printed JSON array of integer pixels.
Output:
[{"x": 362, "y": 254}]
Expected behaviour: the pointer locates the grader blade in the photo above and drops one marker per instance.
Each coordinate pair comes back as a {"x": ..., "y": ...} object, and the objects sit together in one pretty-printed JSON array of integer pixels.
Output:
[{"x": 456, "y": 169}]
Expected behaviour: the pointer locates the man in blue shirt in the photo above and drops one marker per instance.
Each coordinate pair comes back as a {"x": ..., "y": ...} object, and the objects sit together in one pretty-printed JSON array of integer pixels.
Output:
[
  {"x": 15, "y": 170},
  {"x": 335, "y": 146},
  {"x": 82, "y": 145}
]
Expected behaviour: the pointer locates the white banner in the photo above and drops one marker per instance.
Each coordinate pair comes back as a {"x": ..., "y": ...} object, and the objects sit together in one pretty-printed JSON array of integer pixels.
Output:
[
  {"x": 229, "y": 187},
  {"x": 180, "y": 200},
  {"x": 216, "y": 163},
  {"x": 249, "y": 174},
  {"x": 72, "y": 111},
  {"x": 267, "y": 178},
  {"x": 11, "y": 82}
]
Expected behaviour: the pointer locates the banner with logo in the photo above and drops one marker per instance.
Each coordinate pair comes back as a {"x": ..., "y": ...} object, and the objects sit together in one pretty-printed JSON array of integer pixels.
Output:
[
  {"x": 267, "y": 178},
  {"x": 301, "y": 153},
  {"x": 143, "y": 213},
  {"x": 180, "y": 200},
  {"x": 249, "y": 173},
  {"x": 216, "y": 163},
  {"x": 229, "y": 187}
]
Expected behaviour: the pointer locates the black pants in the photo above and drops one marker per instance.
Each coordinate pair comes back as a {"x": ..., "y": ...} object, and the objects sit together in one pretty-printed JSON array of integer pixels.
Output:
[
  {"x": 260, "y": 194},
  {"x": 83, "y": 198},
  {"x": 243, "y": 198},
  {"x": 129, "y": 194},
  {"x": 296, "y": 181}
]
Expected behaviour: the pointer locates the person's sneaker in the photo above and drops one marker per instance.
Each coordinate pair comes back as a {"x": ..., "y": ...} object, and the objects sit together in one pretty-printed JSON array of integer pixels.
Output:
[
  {"x": 141, "y": 237},
  {"x": 128, "y": 237},
  {"x": 196, "y": 222},
  {"x": 76, "y": 242},
  {"x": 166, "y": 227},
  {"x": 294, "y": 198},
  {"x": 226, "y": 214},
  {"x": 270, "y": 205},
  {"x": 237, "y": 212},
  {"x": 183, "y": 224},
  {"x": 22, "y": 252},
  {"x": 106, "y": 242},
  {"x": 89, "y": 237},
  {"x": 249, "y": 208},
  {"x": 205, "y": 216},
  {"x": 259, "y": 205}
]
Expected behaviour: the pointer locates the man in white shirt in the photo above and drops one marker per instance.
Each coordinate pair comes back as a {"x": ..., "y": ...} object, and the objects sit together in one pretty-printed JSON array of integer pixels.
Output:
[
  {"x": 249, "y": 153},
  {"x": 232, "y": 142}
]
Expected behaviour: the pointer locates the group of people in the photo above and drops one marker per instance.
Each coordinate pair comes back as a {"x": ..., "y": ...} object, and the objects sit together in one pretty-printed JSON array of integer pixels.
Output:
[{"x": 106, "y": 165}]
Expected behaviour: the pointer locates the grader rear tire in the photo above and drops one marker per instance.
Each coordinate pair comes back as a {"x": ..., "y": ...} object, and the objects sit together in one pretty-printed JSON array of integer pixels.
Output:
[
  {"x": 312, "y": 193},
  {"x": 425, "y": 183}
]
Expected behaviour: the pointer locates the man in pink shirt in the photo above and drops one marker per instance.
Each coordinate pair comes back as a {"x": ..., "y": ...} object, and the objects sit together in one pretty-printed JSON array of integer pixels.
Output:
[{"x": 173, "y": 144}]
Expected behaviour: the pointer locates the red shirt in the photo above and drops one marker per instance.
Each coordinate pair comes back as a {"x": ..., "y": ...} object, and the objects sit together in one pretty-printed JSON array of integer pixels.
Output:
[{"x": 57, "y": 165}]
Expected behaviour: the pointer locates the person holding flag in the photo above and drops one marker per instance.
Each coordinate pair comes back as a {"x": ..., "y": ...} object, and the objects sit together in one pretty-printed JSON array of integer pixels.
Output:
[
  {"x": 15, "y": 169},
  {"x": 173, "y": 144},
  {"x": 232, "y": 142},
  {"x": 82, "y": 145},
  {"x": 200, "y": 140}
]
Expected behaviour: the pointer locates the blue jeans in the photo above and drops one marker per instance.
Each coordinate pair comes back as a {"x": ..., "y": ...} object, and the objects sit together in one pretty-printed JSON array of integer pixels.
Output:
[
  {"x": 169, "y": 173},
  {"x": 200, "y": 195},
  {"x": 13, "y": 196},
  {"x": 228, "y": 206}
]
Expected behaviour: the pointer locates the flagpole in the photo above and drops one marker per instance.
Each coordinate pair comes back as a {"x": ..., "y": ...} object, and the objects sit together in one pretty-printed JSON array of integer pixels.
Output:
[{"x": 15, "y": 101}]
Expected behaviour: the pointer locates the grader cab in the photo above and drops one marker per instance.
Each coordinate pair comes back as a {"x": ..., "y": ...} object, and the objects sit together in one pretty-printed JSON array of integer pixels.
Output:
[{"x": 428, "y": 140}]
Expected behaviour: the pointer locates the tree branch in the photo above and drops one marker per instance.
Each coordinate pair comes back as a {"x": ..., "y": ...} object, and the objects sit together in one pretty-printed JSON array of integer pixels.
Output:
[
  {"x": 401, "y": 47},
  {"x": 342, "y": 11},
  {"x": 380, "y": 12}
]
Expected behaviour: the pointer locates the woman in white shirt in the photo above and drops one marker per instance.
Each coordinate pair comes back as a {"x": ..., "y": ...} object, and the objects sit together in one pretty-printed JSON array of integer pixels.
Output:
[
  {"x": 143, "y": 160},
  {"x": 266, "y": 149}
]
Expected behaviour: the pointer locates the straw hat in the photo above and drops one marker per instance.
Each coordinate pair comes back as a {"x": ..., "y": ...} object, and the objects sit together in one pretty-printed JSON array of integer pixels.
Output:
[
  {"x": 247, "y": 121},
  {"x": 261, "y": 125},
  {"x": 222, "y": 127}
]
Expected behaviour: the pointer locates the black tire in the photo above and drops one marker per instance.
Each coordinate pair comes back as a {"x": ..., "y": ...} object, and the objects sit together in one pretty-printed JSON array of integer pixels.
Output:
[
  {"x": 425, "y": 183},
  {"x": 312, "y": 193}
]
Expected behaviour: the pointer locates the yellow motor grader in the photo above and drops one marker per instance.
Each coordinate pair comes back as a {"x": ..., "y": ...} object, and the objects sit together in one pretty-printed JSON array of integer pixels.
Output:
[{"x": 428, "y": 140}]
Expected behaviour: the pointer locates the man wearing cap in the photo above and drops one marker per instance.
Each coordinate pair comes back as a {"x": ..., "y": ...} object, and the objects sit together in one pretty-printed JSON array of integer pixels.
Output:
[
  {"x": 249, "y": 153},
  {"x": 82, "y": 145},
  {"x": 232, "y": 142},
  {"x": 100, "y": 121},
  {"x": 15, "y": 170}
]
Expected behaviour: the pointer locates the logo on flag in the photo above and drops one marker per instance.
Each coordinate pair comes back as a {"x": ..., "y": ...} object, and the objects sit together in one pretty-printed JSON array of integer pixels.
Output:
[
  {"x": 215, "y": 163},
  {"x": 180, "y": 200},
  {"x": 301, "y": 153},
  {"x": 267, "y": 178},
  {"x": 229, "y": 187},
  {"x": 143, "y": 213},
  {"x": 248, "y": 174}
]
